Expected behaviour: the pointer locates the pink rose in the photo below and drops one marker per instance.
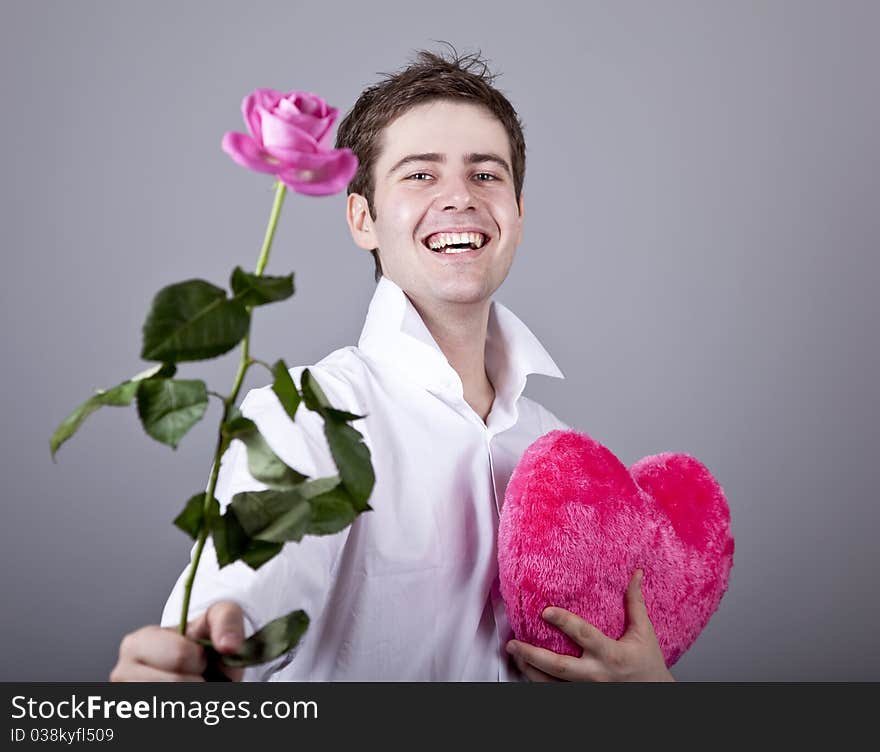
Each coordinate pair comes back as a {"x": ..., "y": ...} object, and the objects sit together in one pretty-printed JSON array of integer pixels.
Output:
[{"x": 290, "y": 137}]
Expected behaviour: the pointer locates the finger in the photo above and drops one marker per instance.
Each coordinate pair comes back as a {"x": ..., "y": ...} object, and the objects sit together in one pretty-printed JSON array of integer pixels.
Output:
[
  {"x": 560, "y": 666},
  {"x": 197, "y": 629},
  {"x": 226, "y": 626},
  {"x": 564, "y": 667},
  {"x": 636, "y": 611},
  {"x": 139, "y": 672},
  {"x": 162, "y": 648},
  {"x": 533, "y": 674},
  {"x": 591, "y": 639}
]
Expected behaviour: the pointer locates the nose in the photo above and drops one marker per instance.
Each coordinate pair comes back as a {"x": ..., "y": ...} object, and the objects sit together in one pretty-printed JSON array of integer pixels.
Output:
[{"x": 457, "y": 194}]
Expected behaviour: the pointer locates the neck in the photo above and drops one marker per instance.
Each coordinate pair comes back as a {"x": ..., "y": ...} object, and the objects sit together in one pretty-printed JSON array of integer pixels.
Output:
[{"x": 460, "y": 332}]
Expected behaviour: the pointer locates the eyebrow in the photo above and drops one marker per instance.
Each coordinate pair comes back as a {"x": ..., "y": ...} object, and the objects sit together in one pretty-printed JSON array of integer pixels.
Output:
[{"x": 433, "y": 156}]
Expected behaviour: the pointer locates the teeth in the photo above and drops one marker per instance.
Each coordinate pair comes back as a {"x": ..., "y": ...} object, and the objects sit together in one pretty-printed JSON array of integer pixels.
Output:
[{"x": 442, "y": 239}]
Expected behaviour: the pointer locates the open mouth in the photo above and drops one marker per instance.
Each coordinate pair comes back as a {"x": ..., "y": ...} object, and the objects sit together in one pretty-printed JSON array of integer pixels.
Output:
[{"x": 454, "y": 244}]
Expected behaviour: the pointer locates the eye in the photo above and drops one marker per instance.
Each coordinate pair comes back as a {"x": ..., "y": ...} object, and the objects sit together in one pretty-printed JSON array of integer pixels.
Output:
[{"x": 416, "y": 176}]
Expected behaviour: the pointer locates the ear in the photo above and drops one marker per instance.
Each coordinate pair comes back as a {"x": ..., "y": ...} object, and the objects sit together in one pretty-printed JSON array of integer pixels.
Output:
[
  {"x": 522, "y": 210},
  {"x": 360, "y": 223}
]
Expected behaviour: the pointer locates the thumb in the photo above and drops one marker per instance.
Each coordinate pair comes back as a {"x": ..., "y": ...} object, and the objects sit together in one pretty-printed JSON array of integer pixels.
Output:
[
  {"x": 636, "y": 610},
  {"x": 226, "y": 626}
]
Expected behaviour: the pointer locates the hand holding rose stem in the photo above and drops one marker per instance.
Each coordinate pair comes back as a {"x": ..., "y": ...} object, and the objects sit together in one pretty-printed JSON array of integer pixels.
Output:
[
  {"x": 229, "y": 402},
  {"x": 289, "y": 138}
]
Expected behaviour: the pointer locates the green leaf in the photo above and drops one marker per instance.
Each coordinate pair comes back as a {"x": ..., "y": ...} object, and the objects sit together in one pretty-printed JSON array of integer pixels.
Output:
[
  {"x": 264, "y": 465},
  {"x": 230, "y": 540},
  {"x": 232, "y": 543},
  {"x": 168, "y": 408},
  {"x": 254, "y": 291},
  {"x": 193, "y": 320},
  {"x": 274, "y": 516},
  {"x": 350, "y": 453},
  {"x": 120, "y": 395},
  {"x": 319, "y": 507},
  {"x": 352, "y": 458},
  {"x": 340, "y": 415},
  {"x": 312, "y": 488},
  {"x": 285, "y": 389},
  {"x": 332, "y": 511},
  {"x": 259, "y": 552},
  {"x": 161, "y": 371},
  {"x": 313, "y": 395},
  {"x": 193, "y": 515},
  {"x": 279, "y": 636}
]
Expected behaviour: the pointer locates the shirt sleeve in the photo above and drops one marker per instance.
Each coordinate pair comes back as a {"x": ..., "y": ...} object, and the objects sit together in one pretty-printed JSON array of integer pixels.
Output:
[{"x": 300, "y": 576}]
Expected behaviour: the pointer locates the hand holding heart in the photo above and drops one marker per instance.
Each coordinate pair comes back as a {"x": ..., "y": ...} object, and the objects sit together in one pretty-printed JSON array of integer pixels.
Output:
[
  {"x": 636, "y": 656},
  {"x": 576, "y": 525}
]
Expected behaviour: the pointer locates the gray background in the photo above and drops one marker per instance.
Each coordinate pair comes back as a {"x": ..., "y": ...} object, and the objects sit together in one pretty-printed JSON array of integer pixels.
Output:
[{"x": 700, "y": 257}]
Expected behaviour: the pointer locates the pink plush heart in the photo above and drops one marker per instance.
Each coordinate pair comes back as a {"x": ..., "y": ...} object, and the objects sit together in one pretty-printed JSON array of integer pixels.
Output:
[{"x": 576, "y": 524}]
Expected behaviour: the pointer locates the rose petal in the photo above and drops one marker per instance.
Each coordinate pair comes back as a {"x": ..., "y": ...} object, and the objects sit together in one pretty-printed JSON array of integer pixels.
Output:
[
  {"x": 287, "y": 157},
  {"x": 277, "y": 132},
  {"x": 250, "y": 109},
  {"x": 268, "y": 99},
  {"x": 247, "y": 152},
  {"x": 315, "y": 127},
  {"x": 309, "y": 104},
  {"x": 320, "y": 174},
  {"x": 323, "y": 107},
  {"x": 306, "y": 103},
  {"x": 325, "y": 138}
]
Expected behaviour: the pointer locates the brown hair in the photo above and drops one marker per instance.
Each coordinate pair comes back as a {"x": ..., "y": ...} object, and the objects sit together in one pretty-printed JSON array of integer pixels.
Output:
[{"x": 430, "y": 77}]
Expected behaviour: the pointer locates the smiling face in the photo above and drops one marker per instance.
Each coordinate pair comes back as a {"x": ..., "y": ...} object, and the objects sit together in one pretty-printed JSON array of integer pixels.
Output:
[{"x": 443, "y": 166}]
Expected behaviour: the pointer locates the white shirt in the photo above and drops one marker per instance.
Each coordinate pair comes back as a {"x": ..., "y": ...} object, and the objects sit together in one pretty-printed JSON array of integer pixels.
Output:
[{"x": 409, "y": 591}]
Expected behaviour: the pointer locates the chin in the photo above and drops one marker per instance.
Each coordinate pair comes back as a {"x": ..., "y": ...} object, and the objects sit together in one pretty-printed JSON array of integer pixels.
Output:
[{"x": 464, "y": 291}]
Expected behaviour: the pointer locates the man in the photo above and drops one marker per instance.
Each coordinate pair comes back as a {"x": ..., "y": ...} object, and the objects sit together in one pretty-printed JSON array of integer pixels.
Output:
[{"x": 410, "y": 590}]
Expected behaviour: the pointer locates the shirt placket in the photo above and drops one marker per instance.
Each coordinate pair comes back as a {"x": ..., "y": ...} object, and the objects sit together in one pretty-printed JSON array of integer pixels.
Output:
[{"x": 499, "y": 610}]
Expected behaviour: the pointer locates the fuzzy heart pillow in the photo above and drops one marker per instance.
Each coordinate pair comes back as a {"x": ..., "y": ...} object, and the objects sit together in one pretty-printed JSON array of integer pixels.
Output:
[{"x": 576, "y": 524}]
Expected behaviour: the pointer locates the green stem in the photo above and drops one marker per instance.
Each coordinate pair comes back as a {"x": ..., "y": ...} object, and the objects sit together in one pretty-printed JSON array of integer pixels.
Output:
[
  {"x": 222, "y": 442},
  {"x": 258, "y": 362},
  {"x": 280, "y": 191}
]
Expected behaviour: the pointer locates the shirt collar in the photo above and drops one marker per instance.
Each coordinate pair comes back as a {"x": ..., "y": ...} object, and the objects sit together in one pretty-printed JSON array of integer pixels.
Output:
[{"x": 395, "y": 334}]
